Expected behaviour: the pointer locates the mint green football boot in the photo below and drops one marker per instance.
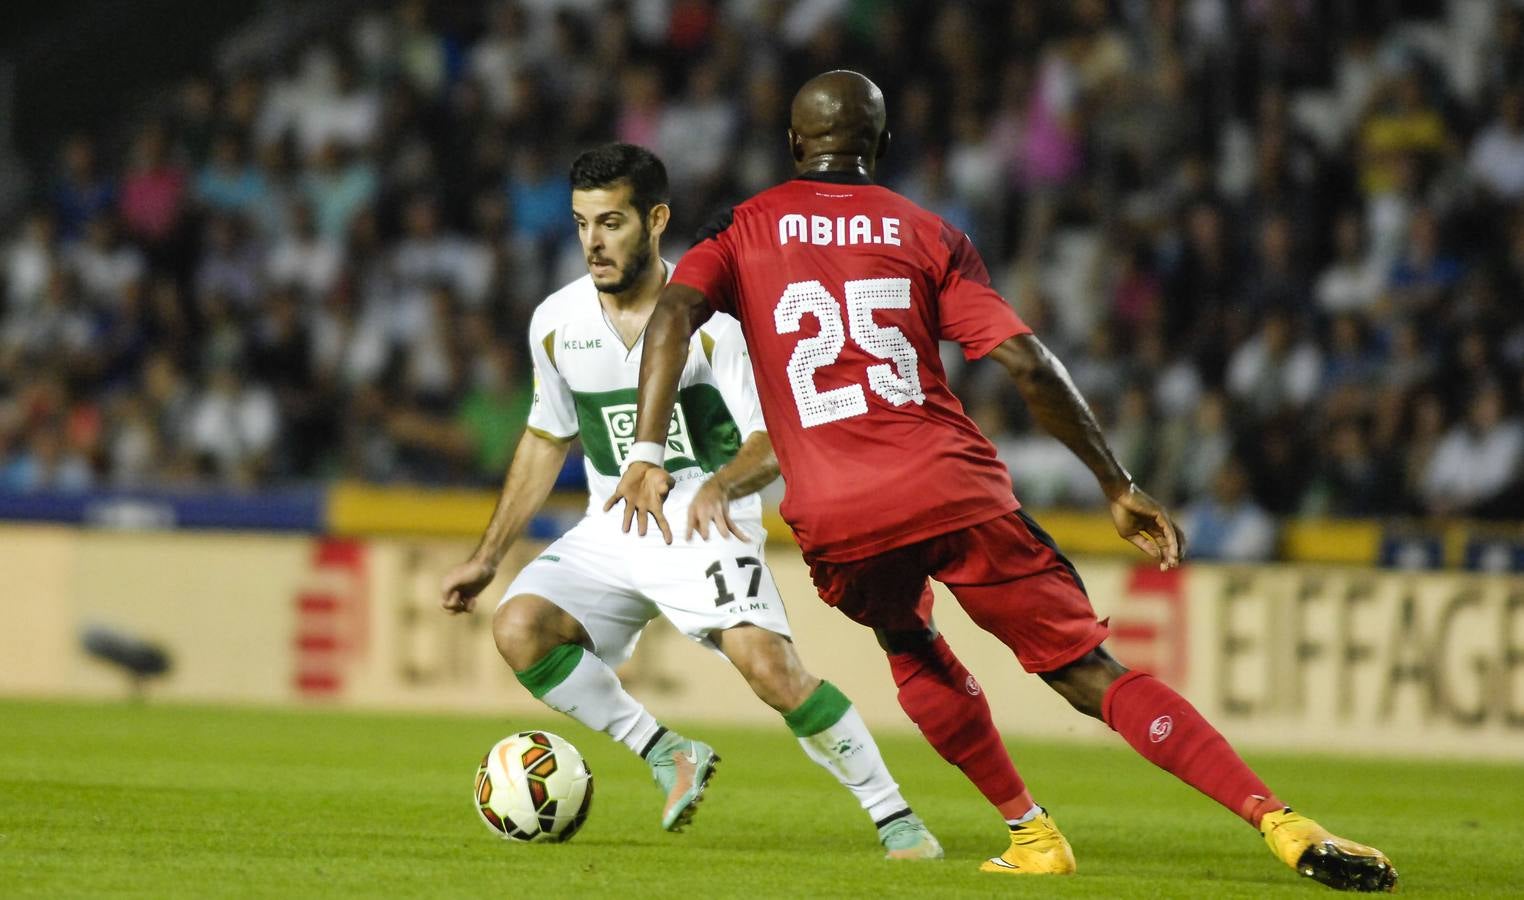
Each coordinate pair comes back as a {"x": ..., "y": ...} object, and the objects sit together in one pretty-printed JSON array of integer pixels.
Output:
[
  {"x": 908, "y": 838},
  {"x": 682, "y": 768}
]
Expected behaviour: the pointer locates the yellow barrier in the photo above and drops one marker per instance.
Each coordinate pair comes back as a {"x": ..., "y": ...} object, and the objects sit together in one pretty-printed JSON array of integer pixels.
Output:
[
  {"x": 359, "y": 509},
  {"x": 368, "y": 511},
  {"x": 1331, "y": 541}
]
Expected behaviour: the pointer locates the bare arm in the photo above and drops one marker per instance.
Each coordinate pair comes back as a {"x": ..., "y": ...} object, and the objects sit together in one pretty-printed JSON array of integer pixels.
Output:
[
  {"x": 679, "y": 313},
  {"x": 1058, "y": 407},
  {"x": 536, "y": 463},
  {"x": 644, "y": 486},
  {"x": 755, "y": 467}
]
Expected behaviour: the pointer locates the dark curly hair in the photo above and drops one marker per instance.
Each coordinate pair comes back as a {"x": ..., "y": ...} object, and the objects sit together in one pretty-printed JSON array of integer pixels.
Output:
[{"x": 606, "y": 166}]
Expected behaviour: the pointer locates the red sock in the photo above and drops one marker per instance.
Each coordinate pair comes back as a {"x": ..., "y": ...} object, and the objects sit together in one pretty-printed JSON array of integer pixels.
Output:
[
  {"x": 945, "y": 702},
  {"x": 1169, "y": 732}
]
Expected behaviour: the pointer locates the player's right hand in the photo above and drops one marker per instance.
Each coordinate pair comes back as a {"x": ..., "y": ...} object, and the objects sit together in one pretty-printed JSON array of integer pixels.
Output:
[
  {"x": 463, "y": 583},
  {"x": 642, "y": 489},
  {"x": 1147, "y": 525}
]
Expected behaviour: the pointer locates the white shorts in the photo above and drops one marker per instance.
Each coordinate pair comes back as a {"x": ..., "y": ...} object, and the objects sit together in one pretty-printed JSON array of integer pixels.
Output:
[{"x": 614, "y": 583}]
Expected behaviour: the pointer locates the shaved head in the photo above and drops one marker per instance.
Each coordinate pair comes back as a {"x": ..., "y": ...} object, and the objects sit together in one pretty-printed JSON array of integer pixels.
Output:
[{"x": 837, "y": 117}]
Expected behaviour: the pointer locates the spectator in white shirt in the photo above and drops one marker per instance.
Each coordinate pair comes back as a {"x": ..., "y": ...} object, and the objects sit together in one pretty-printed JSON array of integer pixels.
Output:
[
  {"x": 348, "y": 349},
  {"x": 60, "y": 328},
  {"x": 499, "y": 56},
  {"x": 695, "y": 132},
  {"x": 430, "y": 358},
  {"x": 133, "y": 445},
  {"x": 304, "y": 259},
  {"x": 103, "y": 262},
  {"x": 1477, "y": 461},
  {"x": 1276, "y": 370},
  {"x": 1497, "y": 155},
  {"x": 347, "y": 115},
  {"x": 29, "y": 263},
  {"x": 233, "y": 426},
  {"x": 429, "y": 255},
  {"x": 974, "y": 164},
  {"x": 1351, "y": 283}
]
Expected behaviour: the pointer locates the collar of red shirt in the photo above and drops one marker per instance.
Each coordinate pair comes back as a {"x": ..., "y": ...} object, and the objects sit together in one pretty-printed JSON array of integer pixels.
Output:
[{"x": 835, "y": 176}]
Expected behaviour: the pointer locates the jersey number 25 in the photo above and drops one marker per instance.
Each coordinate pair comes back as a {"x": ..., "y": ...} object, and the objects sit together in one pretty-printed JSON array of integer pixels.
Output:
[{"x": 899, "y": 384}]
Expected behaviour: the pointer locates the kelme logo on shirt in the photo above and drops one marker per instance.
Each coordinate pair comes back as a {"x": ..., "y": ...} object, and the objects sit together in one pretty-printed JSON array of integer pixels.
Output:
[{"x": 620, "y": 420}]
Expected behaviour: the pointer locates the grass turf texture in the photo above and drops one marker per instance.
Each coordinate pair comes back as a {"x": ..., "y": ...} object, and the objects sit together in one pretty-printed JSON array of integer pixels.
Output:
[{"x": 162, "y": 801}]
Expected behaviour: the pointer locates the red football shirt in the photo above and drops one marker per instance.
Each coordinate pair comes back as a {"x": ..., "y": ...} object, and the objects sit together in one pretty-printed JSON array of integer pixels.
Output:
[{"x": 843, "y": 289}]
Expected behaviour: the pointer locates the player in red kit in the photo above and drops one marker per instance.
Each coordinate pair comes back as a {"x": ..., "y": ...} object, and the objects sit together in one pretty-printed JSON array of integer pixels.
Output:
[{"x": 843, "y": 290}]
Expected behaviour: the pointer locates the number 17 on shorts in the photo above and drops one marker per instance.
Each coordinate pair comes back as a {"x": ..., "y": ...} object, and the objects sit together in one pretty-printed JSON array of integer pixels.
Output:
[{"x": 720, "y": 584}]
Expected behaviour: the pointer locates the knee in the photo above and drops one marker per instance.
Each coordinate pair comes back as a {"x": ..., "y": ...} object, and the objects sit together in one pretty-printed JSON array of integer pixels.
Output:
[
  {"x": 1083, "y": 683},
  {"x": 520, "y": 632}
]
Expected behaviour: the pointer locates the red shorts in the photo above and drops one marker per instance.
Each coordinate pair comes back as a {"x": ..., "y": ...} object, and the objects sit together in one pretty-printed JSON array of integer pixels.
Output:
[{"x": 1006, "y": 574}]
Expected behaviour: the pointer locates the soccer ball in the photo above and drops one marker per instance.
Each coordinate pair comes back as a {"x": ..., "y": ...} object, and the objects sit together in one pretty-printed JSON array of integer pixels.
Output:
[{"x": 534, "y": 786}]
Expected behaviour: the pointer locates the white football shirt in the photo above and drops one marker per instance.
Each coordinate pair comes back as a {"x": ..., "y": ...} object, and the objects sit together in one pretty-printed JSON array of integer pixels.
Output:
[{"x": 586, "y": 381}]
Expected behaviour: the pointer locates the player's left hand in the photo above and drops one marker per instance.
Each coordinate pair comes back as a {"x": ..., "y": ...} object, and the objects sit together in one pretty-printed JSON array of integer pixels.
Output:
[
  {"x": 1146, "y": 524},
  {"x": 711, "y": 506},
  {"x": 643, "y": 488}
]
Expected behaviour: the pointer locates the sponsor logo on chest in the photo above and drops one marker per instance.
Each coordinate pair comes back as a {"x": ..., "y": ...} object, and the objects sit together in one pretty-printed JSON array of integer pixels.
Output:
[{"x": 620, "y": 421}]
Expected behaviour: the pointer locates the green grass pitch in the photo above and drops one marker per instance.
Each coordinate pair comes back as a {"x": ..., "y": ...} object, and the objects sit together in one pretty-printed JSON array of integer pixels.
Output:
[{"x": 168, "y": 801}]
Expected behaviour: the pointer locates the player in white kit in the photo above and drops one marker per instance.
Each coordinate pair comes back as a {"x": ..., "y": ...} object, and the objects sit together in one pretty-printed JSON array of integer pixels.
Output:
[{"x": 577, "y": 610}]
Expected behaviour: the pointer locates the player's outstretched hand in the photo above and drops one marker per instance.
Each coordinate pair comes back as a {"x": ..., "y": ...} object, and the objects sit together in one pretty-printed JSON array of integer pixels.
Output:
[
  {"x": 1146, "y": 524},
  {"x": 463, "y": 583},
  {"x": 710, "y": 506},
  {"x": 643, "y": 488}
]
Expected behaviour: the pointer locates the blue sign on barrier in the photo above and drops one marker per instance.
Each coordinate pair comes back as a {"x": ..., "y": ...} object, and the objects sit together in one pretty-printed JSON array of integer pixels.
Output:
[
  {"x": 1495, "y": 554},
  {"x": 1412, "y": 550},
  {"x": 573, "y": 476},
  {"x": 292, "y": 509}
]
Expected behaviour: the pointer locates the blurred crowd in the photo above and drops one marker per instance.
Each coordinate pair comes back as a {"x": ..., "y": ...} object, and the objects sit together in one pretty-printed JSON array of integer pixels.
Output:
[{"x": 1279, "y": 244}]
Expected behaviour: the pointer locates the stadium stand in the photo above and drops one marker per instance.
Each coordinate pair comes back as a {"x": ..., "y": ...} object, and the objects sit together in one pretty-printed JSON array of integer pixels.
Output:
[{"x": 1280, "y": 244}]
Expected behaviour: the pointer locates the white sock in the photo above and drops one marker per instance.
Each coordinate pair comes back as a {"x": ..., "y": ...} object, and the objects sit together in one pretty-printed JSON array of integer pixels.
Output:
[
  {"x": 591, "y": 694},
  {"x": 848, "y": 751},
  {"x": 1026, "y": 817}
]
